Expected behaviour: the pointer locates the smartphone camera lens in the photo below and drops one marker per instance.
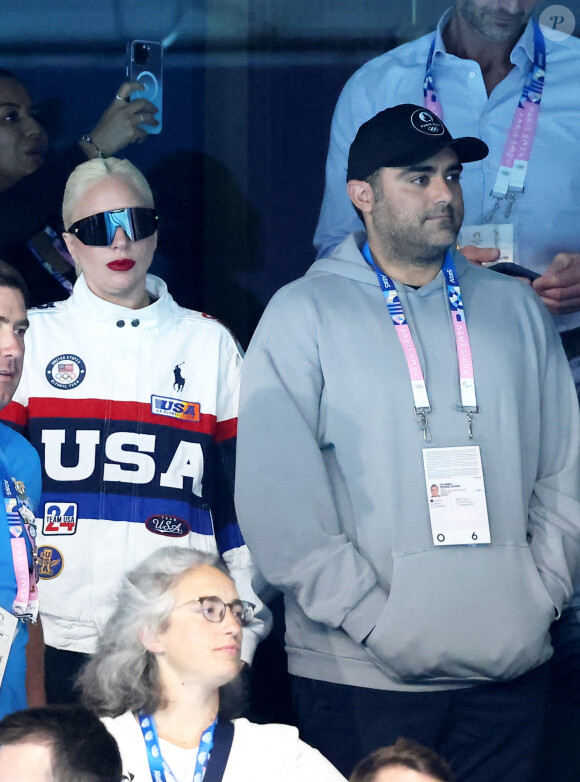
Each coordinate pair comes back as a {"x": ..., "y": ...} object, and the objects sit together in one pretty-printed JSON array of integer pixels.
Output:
[{"x": 141, "y": 54}]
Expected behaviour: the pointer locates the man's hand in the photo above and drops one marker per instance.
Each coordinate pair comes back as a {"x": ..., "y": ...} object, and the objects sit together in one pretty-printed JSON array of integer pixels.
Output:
[
  {"x": 480, "y": 255},
  {"x": 559, "y": 286}
]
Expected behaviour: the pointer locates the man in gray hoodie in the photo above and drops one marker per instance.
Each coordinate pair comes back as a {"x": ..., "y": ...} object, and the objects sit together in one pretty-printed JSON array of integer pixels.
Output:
[{"x": 392, "y": 366}]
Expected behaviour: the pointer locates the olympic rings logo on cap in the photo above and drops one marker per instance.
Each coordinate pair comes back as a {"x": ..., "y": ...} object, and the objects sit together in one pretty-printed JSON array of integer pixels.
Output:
[{"x": 427, "y": 123}]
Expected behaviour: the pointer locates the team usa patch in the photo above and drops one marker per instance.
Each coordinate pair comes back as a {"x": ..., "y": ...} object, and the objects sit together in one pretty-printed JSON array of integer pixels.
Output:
[
  {"x": 66, "y": 371},
  {"x": 60, "y": 518},
  {"x": 170, "y": 526},
  {"x": 176, "y": 408},
  {"x": 50, "y": 562}
]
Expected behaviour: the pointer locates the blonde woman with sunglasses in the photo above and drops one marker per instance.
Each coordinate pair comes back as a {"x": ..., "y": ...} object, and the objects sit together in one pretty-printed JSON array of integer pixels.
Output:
[{"x": 131, "y": 402}]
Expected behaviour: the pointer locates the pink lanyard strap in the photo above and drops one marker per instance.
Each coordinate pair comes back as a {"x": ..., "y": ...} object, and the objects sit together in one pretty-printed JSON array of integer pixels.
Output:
[
  {"x": 22, "y": 526},
  {"x": 418, "y": 385}
]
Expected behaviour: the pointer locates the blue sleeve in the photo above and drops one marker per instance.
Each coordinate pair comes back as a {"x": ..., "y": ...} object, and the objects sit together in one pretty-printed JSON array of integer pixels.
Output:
[{"x": 25, "y": 464}]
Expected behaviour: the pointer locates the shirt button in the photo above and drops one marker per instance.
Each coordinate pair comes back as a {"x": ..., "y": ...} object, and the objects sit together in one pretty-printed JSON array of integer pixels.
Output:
[
  {"x": 120, "y": 323},
  {"x": 472, "y": 74},
  {"x": 135, "y": 322}
]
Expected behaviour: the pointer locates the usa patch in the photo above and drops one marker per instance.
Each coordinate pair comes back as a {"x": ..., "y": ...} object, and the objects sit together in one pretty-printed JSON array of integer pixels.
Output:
[
  {"x": 176, "y": 408},
  {"x": 170, "y": 526},
  {"x": 50, "y": 562}
]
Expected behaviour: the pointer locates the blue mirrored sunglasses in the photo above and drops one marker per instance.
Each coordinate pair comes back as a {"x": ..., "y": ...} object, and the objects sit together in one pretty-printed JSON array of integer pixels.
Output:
[{"x": 99, "y": 230}]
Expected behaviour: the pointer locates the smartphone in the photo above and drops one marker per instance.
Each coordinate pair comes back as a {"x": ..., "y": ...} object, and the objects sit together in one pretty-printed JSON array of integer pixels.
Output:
[
  {"x": 145, "y": 64},
  {"x": 513, "y": 270}
]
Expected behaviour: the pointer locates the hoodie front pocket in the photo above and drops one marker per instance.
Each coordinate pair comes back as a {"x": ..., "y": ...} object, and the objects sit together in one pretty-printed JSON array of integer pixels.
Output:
[{"x": 463, "y": 613}]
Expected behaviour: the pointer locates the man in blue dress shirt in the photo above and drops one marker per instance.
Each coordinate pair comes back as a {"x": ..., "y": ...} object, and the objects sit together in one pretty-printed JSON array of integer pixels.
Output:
[{"x": 483, "y": 52}]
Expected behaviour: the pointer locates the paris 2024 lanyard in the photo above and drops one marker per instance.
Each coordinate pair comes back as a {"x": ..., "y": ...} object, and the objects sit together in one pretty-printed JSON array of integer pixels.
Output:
[
  {"x": 511, "y": 176},
  {"x": 21, "y": 526},
  {"x": 418, "y": 385},
  {"x": 157, "y": 765}
]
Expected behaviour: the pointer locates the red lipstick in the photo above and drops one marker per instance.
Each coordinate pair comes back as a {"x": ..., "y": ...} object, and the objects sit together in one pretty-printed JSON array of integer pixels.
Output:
[{"x": 121, "y": 265}]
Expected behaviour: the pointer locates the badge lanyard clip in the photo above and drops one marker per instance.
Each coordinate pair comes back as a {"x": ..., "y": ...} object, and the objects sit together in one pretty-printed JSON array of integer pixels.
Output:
[
  {"x": 470, "y": 423},
  {"x": 488, "y": 217},
  {"x": 508, "y": 210},
  {"x": 424, "y": 421}
]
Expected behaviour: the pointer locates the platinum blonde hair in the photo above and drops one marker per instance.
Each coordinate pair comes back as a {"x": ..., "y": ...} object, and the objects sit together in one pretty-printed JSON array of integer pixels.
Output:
[
  {"x": 123, "y": 675},
  {"x": 92, "y": 171}
]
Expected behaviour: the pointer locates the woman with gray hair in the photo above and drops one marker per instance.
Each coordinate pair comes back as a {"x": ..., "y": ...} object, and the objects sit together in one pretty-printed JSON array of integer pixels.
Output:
[
  {"x": 131, "y": 402},
  {"x": 164, "y": 675}
]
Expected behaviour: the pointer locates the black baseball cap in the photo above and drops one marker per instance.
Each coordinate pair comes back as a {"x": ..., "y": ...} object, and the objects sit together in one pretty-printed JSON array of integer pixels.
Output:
[{"x": 402, "y": 136}]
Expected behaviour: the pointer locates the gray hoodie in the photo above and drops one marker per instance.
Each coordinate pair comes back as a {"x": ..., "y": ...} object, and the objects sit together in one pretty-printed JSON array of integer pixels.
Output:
[{"x": 330, "y": 488}]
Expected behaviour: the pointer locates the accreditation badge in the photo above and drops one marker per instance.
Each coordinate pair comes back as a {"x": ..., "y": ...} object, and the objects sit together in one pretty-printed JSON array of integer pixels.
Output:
[
  {"x": 500, "y": 235},
  {"x": 456, "y": 496}
]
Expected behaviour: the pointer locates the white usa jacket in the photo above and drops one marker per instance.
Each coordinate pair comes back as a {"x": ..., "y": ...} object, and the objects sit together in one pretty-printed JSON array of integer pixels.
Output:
[{"x": 134, "y": 415}]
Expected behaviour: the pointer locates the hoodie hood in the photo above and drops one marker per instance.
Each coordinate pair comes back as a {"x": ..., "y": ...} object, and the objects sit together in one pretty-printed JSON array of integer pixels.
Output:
[{"x": 347, "y": 260}]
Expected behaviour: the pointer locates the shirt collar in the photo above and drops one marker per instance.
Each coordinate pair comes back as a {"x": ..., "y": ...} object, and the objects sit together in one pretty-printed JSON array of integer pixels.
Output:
[
  {"x": 439, "y": 45},
  {"x": 522, "y": 52}
]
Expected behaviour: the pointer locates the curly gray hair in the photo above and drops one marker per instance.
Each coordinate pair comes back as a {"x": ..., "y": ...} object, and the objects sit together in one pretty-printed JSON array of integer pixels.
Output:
[{"x": 123, "y": 675}]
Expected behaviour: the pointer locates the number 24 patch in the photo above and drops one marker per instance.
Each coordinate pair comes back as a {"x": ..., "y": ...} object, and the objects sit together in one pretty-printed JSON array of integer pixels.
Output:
[{"x": 60, "y": 518}]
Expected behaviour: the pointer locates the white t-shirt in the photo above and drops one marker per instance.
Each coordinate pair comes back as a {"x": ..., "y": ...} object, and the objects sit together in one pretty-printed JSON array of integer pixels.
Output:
[{"x": 181, "y": 762}]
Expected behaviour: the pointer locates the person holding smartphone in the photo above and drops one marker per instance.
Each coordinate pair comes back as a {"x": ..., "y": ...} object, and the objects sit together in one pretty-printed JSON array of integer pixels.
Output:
[{"x": 31, "y": 184}]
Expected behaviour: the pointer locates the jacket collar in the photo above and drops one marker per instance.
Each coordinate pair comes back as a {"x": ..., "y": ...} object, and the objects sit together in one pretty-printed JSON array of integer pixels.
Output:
[{"x": 106, "y": 315}]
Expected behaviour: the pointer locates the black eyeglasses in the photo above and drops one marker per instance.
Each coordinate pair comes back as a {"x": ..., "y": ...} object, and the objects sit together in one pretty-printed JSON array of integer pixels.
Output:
[
  {"x": 213, "y": 609},
  {"x": 99, "y": 230}
]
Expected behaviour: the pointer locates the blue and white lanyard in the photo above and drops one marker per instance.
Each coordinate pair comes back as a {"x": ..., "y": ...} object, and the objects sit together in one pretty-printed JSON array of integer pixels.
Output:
[
  {"x": 21, "y": 525},
  {"x": 511, "y": 175},
  {"x": 464, "y": 358},
  {"x": 157, "y": 765}
]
